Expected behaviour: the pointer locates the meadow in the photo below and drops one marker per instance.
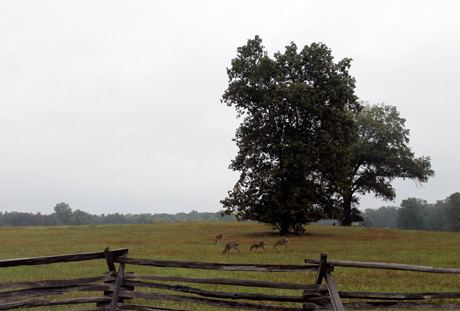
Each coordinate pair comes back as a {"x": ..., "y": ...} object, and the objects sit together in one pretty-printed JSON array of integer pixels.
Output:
[{"x": 195, "y": 242}]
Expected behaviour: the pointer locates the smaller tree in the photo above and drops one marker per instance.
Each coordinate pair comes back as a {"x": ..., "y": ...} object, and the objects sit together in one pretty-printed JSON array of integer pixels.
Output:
[{"x": 380, "y": 154}]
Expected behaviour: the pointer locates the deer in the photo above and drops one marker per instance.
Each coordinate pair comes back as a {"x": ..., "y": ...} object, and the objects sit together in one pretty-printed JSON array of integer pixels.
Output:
[
  {"x": 257, "y": 245},
  {"x": 284, "y": 242},
  {"x": 220, "y": 237},
  {"x": 231, "y": 245}
]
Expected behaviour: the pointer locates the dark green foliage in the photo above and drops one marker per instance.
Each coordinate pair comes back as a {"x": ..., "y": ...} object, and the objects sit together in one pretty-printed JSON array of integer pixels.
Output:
[
  {"x": 380, "y": 154},
  {"x": 294, "y": 138},
  {"x": 410, "y": 215}
]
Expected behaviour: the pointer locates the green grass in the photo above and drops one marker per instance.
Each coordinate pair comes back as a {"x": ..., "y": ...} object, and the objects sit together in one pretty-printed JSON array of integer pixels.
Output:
[{"x": 195, "y": 242}]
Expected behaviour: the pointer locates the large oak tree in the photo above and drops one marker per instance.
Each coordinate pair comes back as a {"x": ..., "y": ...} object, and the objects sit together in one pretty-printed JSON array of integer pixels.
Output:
[{"x": 295, "y": 135}]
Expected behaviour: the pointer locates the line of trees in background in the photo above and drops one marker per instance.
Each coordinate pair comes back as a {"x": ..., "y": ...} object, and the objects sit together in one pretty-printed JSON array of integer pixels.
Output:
[
  {"x": 417, "y": 214},
  {"x": 64, "y": 215},
  {"x": 413, "y": 213}
]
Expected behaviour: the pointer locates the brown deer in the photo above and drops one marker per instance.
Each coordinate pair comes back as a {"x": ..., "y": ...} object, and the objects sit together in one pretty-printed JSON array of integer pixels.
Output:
[
  {"x": 231, "y": 245},
  {"x": 220, "y": 238},
  {"x": 284, "y": 242},
  {"x": 257, "y": 245}
]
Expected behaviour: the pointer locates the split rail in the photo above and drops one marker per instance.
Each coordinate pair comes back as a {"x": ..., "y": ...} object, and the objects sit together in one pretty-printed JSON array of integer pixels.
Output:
[{"x": 119, "y": 289}]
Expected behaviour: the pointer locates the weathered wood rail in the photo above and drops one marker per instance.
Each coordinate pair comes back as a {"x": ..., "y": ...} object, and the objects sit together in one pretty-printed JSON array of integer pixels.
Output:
[
  {"x": 380, "y": 300},
  {"x": 219, "y": 299},
  {"x": 37, "y": 293},
  {"x": 116, "y": 289}
]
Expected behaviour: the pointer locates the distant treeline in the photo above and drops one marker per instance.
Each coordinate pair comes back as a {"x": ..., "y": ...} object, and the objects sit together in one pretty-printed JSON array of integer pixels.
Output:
[
  {"x": 417, "y": 214},
  {"x": 63, "y": 215},
  {"x": 413, "y": 213}
]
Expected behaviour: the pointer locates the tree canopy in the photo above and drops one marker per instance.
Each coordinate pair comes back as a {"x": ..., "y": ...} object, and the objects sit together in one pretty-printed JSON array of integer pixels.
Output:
[
  {"x": 380, "y": 154},
  {"x": 411, "y": 214},
  {"x": 294, "y": 139}
]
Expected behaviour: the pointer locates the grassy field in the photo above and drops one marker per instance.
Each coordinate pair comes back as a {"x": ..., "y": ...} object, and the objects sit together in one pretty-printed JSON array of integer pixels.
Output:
[{"x": 195, "y": 242}]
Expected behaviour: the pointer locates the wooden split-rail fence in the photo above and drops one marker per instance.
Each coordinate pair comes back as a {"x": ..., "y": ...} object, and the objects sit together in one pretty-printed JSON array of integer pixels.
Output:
[{"x": 116, "y": 289}]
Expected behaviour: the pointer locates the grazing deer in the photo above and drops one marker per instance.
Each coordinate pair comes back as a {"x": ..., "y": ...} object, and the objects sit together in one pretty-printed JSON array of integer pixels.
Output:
[
  {"x": 220, "y": 237},
  {"x": 284, "y": 242},
  {"x": 257, "y": 245},
  {"x": 231, "y": 245}
]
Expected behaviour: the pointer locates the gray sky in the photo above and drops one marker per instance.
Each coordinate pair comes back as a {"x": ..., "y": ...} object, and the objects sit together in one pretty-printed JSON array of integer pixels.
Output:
[{"x": 114, "y": 106}]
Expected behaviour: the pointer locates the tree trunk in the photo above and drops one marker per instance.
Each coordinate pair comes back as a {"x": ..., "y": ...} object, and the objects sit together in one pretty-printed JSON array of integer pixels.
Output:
[
  {"x": 347, "y": 219},
  {"x": 284, "y": 228}
]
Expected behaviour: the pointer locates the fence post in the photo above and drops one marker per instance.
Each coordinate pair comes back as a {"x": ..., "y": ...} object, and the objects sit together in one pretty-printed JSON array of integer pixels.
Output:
[
  {"x": 116, "y": 290},
  {"x": 321, "y": 269},
  {"x": 319, "y": 278},
  {"x": 324, "y": 272},
  {"x": 118, "y": 281},
  {"x": 109, "y": 259}
]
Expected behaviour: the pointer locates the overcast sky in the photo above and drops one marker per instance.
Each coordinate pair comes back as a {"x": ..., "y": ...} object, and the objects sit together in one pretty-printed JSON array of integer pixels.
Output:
[{"x": 114, "y": 106}]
